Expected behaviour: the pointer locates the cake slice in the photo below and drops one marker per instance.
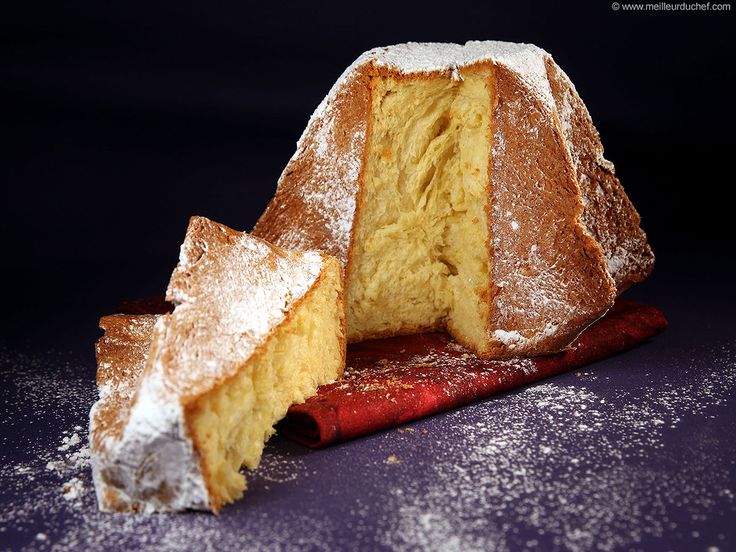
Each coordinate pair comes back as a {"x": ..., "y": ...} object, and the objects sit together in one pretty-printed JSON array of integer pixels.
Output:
[
  {"x": 463, "y": 187},
  {"x": 189, "y": 397}
]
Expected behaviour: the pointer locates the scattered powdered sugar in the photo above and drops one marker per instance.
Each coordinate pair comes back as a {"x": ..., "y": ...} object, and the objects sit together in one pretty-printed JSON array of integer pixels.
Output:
[
  {"x": 571, "y": 464},
  {"x": 41, "y": 478},
  {"x": 583, "y": 462},
  {"x": 68, "y": 442},
  {"x": 279, "y": 466},
  {"x": 47, "y": 491},
  {"x": 73, "y": 489},
  {"x": 444, "y": 367}
]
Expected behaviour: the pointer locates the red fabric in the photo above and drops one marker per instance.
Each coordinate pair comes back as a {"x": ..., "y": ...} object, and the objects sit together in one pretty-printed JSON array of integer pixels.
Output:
[{"x": 392, "y": 381}]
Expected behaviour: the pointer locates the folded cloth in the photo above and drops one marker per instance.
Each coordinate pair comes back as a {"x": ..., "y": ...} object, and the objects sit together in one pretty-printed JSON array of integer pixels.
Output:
[{"x": 389, "y": 382}]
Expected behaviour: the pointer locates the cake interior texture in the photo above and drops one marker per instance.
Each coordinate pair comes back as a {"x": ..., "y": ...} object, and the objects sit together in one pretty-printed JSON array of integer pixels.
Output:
[
  {"x": 420, "y": 256},
  {"x": 230, "y": 424}
]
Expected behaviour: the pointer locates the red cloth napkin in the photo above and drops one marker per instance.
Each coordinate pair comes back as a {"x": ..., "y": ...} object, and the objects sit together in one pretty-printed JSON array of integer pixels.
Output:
[{"x": 392, "y": 381}]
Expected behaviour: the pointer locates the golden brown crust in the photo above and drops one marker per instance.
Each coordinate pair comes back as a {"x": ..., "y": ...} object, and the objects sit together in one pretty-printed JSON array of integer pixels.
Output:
[
  {"x": 298, "y": 217},
  {"x": 609, "y": 215},
  {"x": 549, "y": 276},
  {"x": 121, "y": 357},
  {"x": 362, "y": 107}
]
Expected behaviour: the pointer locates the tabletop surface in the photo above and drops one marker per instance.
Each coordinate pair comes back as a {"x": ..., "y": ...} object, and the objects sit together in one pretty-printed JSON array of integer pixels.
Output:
[{"x": 636, "y": 452}]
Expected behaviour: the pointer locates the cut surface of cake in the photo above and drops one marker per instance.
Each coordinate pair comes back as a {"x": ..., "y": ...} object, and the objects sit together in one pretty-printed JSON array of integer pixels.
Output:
[
  {"x": 463, "y": 187},
  {"x": 189, "y": 397}
]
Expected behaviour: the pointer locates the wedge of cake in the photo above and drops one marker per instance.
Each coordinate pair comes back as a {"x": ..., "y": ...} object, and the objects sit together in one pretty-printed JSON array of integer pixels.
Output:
[
  {"x": 189, "y": 397},
  {"x": 463, "y": 187}
]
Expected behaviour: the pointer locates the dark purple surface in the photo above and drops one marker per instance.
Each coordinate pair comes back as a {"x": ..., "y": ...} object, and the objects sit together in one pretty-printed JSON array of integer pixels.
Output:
[{"x": 633, "y": 453}]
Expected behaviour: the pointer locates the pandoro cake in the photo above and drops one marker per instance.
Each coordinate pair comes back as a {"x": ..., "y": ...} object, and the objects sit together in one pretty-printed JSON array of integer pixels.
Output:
[
  {"x": 463, "y": 187},
  {"x": 189, "y": 397}
]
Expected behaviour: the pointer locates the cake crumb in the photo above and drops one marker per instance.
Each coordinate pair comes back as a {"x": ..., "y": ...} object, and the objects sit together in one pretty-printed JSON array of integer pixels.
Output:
[{"x": 392, "y": 459}]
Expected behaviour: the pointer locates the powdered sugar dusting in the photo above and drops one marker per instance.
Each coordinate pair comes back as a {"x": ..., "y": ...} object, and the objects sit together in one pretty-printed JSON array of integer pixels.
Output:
[
  {"x": 548, "y": 291},
  {"x": 328, "y": 189},
  {"x": 569, "y": 463},
  {"x": 582, "y": 462},
  {"x": 451, "y": 365},
  {"x": 526, "y": 60},
  {"x": 510, "y": 339},
  {"x": 52, "y": 476},
  {"x": 539, "y": 283},
  {"x": 244, "y": 283},
  {"x": 333, "y": 184},
  {"x": 48, "y": 497},
  {"x": 153, "y": 453}
]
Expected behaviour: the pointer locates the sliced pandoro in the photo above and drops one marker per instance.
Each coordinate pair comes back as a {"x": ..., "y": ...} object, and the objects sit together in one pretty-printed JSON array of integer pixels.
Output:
[
  {"x": 188, "y": 398},
  {"x": 462, "y": 187}
]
